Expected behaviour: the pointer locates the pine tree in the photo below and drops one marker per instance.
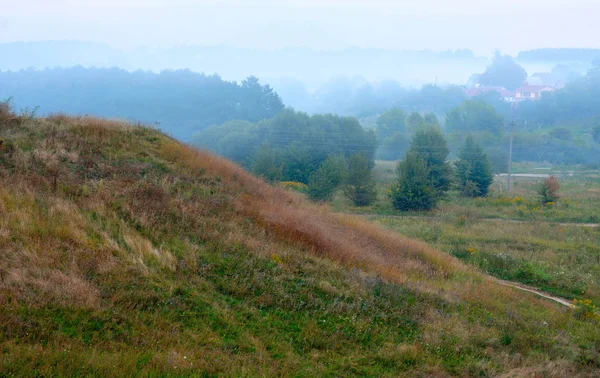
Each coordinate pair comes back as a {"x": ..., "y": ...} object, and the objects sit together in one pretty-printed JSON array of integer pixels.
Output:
[
  {"x": 360, "y": 186},
  {"x": 473, "y": 170},
  {"x": 430, "y": 146},
  {"x": 323, "y": 182},
  {"x": 412, "y": 190}
]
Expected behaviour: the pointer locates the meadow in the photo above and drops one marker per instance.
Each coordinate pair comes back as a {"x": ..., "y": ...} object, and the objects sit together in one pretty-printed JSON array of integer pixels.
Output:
[
  {"x": 510, "y": 235},
  {"x": 125, "y": 252}
]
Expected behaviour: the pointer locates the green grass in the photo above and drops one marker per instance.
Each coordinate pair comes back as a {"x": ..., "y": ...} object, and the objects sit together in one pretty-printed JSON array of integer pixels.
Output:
[
  {"x": 148, "y": 258},
  {"x": 579, "y": 203},
  {"x": 512, "y": 237},
  {"x": 563, "y": 260}
]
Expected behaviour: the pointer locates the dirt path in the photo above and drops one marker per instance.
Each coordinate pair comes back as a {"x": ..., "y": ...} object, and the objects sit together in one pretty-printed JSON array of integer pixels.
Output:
[
  {"x": 516, "y": 285},
  {"x": 519, "y": 286},
  {"x": 592, "y": 225}
]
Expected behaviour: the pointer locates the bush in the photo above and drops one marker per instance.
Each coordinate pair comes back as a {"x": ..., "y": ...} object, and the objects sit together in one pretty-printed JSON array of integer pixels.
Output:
[
  {"x": 548, "y": 190},
  {"x": 413, "y": 190},
  {"x": 360, "y": 186}
]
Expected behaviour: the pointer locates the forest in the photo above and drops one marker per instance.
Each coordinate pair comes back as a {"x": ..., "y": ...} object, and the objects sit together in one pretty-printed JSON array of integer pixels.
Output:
[
  {"x": 179, "y": 102},
  {"x": 241, "y": 119}
]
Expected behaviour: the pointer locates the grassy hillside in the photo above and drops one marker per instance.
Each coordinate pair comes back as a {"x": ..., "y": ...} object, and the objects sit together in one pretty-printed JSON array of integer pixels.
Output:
[{"x": 124, "y": 252}]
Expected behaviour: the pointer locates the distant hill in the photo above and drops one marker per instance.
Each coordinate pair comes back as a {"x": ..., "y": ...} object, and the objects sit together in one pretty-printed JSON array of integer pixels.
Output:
[
  {"x": 50, "y": 54},
  {"x": 313, "y": 67},
  {"x": 560, "y": 55},
  {"x": 125, "y": 252},
  {"x": 179, "y": 102}
]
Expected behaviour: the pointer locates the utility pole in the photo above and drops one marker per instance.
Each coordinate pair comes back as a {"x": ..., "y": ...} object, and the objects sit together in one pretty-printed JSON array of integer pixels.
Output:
[{"x": 512, "y": 126}]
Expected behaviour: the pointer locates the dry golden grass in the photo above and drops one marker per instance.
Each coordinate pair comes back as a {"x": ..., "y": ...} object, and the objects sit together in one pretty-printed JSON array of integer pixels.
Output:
[
  {"x": 4, "y": 110},
  {"x": 348, "y": 239},
  {"x": 285, "y": 215},
  {"x": 99, "y": 215},
  {"x": 34, "y": 269}
]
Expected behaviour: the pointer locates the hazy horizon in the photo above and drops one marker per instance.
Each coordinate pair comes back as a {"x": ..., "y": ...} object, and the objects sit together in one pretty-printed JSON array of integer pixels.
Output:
[{"x": 510, "y": 26}]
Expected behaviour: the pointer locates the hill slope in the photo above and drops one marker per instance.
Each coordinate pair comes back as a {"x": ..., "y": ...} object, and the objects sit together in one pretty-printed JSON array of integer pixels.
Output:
[{"x": 125, "y": 252}]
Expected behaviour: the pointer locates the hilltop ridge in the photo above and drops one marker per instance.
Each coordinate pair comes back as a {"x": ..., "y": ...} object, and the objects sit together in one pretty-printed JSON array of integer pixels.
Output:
[{"x": 127, "y": 252}]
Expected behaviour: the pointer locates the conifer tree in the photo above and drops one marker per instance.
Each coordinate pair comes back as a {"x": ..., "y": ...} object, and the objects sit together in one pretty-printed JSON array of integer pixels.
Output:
[
  {"x": 473, "y": 170},
  {"x": 430, "y": 146},
  {"x": 360, "y": 186},
  {"x": 413, "y": 189}
]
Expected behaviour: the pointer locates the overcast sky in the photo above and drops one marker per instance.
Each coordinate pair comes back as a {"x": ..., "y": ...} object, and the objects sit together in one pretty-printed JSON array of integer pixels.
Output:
[{"x": 482, "y": 25}]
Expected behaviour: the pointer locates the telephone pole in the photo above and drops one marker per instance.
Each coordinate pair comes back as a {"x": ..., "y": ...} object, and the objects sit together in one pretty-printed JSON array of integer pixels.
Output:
[{"x": 512, "y": 126}]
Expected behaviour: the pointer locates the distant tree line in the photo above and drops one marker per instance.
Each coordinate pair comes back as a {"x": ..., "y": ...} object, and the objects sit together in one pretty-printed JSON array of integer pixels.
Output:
[
  {"x": 394, "y": 129},
  {"x": 290, "y": 146},
  {"x": 179, "y": 102},
  {"x": 359, "y": 98},
  {"x": 561, "y": 54}
]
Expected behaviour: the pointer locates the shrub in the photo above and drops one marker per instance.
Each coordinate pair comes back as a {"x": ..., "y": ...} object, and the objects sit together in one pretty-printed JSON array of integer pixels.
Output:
[
  {"x": 586, "y": 309},
  {"x": 413, "y": 190},
  {"x": 548, "y": 190},
  {"x": 360, "y": 186}
]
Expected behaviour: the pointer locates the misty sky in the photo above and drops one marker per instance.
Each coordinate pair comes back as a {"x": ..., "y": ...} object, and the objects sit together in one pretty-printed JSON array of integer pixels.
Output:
[{"x": 482, "y": 25}]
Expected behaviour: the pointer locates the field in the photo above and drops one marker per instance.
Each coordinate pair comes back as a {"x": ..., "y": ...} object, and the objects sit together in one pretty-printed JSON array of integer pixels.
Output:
[
  {"x": 125, "y": 253},
  {"x": 508, "y": 234}
]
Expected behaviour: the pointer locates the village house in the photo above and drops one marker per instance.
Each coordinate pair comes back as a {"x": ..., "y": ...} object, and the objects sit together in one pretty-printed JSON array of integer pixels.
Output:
[{"x": 532, "y": 92}]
